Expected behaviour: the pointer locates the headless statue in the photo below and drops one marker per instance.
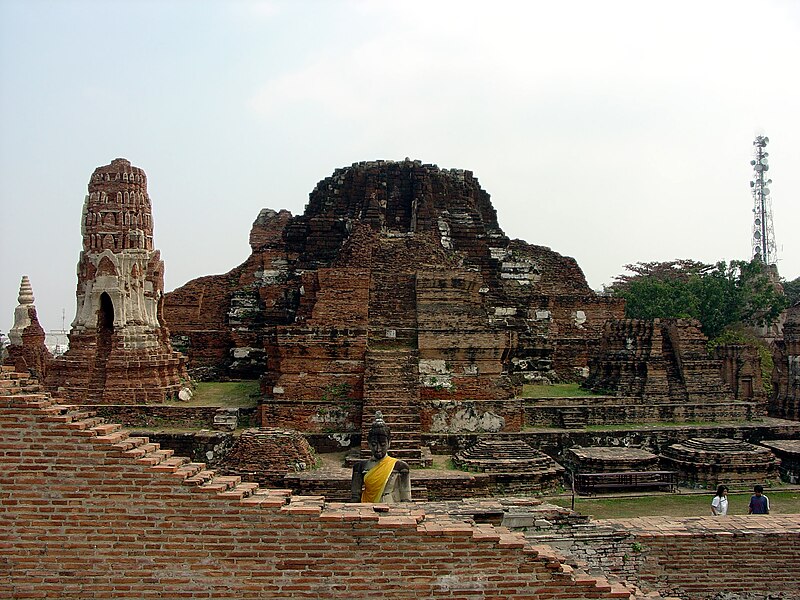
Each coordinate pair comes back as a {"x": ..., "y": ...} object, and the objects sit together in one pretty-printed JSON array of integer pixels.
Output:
[{"x": 381, "y": 478}]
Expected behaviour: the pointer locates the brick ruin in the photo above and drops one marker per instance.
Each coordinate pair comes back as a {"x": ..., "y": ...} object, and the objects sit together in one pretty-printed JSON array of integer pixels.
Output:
[
  {"x": 513, "y": 466},
  {"x": 27, "y": 350},
  {"x": 741, "y": 370},
  {"x": 427, "y": 313},
  {"x": 395, "y": 289},
  {"x": 785, "y": 401},
  {"x": 661, "y": 370},
  {"x": 119, "y": 346}
]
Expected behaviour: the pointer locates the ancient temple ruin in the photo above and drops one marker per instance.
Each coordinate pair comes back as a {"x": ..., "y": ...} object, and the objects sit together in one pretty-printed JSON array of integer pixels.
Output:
[
  {"x": 396, "y": 287},
  {"x": 119, "y": 346},
  {"x": 395, "y": 291}
]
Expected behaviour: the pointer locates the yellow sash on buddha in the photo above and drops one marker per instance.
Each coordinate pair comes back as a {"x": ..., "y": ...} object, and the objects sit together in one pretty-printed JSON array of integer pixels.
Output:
[{"x": 376, "y": 478}]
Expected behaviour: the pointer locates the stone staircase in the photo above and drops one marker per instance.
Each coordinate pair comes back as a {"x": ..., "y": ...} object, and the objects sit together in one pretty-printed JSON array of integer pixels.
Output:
[
  {"x": 675, "y": 380},
  {"x": 573, "y": 418},
  {"x": 391, "y": 371},
  {"x": 390, "y": 386}
]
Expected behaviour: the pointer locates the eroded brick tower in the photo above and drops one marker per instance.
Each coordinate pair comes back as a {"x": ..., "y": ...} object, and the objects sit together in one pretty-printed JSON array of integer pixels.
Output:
[{"x": 119, "y": 347}]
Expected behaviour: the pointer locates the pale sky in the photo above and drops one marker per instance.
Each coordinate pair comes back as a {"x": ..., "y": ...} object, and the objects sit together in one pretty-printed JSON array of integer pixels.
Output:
[{"x": 612, "y": 132}]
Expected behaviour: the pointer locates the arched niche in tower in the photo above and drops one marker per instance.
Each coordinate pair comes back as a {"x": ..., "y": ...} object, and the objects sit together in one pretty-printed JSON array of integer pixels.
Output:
[{"x": 105, "y": 314}]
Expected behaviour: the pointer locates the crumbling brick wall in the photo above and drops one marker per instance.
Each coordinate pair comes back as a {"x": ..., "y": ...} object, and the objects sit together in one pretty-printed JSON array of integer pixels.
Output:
[{"x": 81, "y": 518}]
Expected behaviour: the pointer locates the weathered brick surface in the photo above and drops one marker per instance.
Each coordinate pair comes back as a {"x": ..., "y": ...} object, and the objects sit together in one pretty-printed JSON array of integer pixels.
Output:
[
  {"x": 442, "y": 414},
  {"x": 143, "y": 416},
  {"x": 266, "y": 454},
  {"x": 741, "y": 370},
  {"x": 605, "y": 411},
  {"x": 310, "y": 417},
  {"x": 94, "y": 513}
]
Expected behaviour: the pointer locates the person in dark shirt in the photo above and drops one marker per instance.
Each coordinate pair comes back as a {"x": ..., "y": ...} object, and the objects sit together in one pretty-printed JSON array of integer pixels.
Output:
[{"x": 759, "y": 503}]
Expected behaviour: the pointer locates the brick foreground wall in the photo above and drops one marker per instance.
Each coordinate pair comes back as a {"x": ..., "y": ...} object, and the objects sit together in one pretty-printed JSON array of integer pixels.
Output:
[{"x": 85, "y": 512}]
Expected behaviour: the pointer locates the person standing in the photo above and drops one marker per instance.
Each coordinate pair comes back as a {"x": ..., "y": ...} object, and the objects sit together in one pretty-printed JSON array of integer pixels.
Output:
[
  {"x": 719, "y": 505},
  {"x": 759, "y": 503}
]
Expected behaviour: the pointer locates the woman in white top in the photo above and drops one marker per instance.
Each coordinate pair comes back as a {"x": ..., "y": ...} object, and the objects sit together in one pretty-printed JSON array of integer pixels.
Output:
[{"x": 719, "y": 505}]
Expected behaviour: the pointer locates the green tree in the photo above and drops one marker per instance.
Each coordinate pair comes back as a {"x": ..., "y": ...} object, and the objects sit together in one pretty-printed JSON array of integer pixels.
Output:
[
  {"x": 792, "y": 291},
  {"x": 718, "y": 295}
]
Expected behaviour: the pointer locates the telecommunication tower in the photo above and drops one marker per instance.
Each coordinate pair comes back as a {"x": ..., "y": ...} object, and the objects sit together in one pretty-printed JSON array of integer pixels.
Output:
[{"x": 763, "y": 233}]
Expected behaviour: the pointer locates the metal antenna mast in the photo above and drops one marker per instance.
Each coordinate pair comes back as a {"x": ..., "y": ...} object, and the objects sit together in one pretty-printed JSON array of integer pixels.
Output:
[{"x": 763, "y": 233}]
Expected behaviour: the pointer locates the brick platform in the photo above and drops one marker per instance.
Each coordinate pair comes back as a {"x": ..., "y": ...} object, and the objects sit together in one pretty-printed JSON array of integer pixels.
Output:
[
  {"x": 710, "y": 461},
  {"x": 610, "y": 459}
]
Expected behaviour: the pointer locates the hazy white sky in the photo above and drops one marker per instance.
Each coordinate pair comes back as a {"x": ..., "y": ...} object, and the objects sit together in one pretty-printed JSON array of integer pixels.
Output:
[{"x": 613, "y": 131}]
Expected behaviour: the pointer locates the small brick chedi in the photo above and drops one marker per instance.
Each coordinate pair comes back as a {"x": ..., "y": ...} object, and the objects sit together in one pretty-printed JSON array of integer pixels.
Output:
[
  {"x": 266, "y": 454},
  {"x": 27, "y": 350},
  {"x": 395, "y": 287},
  {"x": 119, "y": 346}
]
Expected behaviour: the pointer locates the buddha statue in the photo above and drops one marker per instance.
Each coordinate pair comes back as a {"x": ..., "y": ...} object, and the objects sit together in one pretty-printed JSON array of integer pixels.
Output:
[{"x": 381, "y": 478}]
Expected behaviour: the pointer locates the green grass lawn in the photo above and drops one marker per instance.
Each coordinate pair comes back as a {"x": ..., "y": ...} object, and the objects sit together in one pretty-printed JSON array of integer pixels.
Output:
[
  {"x": 674, "y": 505},
  {"x": 556, "y": 390},
  {"x": 230, "y": 394}
]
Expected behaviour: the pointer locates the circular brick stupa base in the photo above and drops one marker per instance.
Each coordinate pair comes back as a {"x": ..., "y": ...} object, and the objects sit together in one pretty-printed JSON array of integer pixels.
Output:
[
  {"x": 611, "y": 459},
  {"x": 513, "y": 466},
  {"x": 788, "y": 451},
  {"x": 265, "y": 455},
  {"x": 707, "y": 462}
]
